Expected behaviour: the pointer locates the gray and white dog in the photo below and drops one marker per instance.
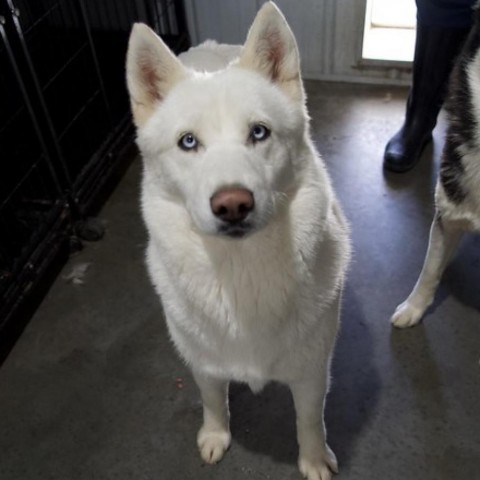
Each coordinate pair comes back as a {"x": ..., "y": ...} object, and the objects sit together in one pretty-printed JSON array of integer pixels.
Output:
[{"x": 457, "y": 193}]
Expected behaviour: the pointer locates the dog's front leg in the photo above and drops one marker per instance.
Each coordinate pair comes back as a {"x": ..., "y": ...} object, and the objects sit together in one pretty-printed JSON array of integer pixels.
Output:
[
  {"x": 214, "y": 436},
  {"x": 444, "y": 238},
  {"x": 316, "y": 461}
]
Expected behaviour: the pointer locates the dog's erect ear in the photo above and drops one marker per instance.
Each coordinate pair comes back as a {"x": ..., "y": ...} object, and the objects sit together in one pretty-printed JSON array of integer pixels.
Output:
[
  {"x": 271, "y": 50},
  {"x": 152, "y": 70}
]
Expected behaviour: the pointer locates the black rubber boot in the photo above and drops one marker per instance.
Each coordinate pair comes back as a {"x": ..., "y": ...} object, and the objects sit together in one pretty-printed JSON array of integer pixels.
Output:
[{"x": 435, "y": 51}]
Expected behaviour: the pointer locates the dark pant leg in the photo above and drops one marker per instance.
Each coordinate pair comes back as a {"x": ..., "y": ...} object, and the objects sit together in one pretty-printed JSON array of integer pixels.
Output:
[{"x": 445, "y": 13}]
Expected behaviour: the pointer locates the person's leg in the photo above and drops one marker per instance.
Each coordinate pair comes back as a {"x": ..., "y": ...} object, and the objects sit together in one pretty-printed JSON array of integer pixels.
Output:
[
  {"x": 441, "y": 31},
  {"x": 445, "y": 13}
]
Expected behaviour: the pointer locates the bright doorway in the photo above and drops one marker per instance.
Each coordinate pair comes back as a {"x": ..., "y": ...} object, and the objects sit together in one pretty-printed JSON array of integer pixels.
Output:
[{"x": 389, "y": 33}]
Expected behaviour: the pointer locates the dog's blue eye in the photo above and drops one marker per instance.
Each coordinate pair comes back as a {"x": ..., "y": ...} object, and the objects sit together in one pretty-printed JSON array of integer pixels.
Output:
[
  {"x": 259, "y": 133},
  {"x": 188, "y": 142}
]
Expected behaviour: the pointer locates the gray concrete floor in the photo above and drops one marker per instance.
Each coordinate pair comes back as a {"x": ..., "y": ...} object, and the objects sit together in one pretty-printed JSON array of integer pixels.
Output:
[{"x": 94, "y": 390}]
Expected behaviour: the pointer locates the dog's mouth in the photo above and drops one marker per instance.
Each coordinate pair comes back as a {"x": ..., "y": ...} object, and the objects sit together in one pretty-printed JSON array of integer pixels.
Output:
[{"x": 235, "y": 230}]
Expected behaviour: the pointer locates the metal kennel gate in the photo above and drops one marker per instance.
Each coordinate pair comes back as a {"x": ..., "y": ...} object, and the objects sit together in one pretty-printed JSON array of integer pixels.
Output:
[{"x": 64, "y": 130}]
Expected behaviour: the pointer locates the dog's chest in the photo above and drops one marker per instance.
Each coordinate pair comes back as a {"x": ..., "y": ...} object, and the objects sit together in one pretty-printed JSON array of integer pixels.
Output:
[
  {"x": 238, "y": 313},
  {"x": 245, "y": 290}
]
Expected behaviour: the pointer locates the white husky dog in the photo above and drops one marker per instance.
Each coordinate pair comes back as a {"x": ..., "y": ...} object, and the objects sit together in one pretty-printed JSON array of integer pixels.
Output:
[{"x": 248, "y": 245}]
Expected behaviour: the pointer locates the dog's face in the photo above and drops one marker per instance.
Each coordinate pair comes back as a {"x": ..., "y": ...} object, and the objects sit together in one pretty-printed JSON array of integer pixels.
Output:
[{"x": 224, "y": 145}]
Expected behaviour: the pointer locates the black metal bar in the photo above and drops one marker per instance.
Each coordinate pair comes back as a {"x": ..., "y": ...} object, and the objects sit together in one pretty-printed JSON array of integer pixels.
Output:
[
  {"x": 30, "y": 109},
  {"x": 142, "y": 10},
  {"x": 117, "y": 12},
  {"x": 62, "y": 165},
  {"x": 182, "y": 23},
  {"x": 172, "y": 18},
  {"x": 16, "y": 12},
  {"x": 95, "y": 59},
  {"x": 65, "y": 65},
  {"x": 78, "y": 114}
]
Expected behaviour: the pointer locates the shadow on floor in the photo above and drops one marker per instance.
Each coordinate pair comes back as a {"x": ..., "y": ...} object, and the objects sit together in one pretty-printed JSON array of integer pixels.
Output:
[{"x": 265, "y": 423}]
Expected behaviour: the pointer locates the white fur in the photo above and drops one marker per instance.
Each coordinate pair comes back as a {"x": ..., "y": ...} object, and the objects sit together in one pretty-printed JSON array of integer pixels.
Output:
[
  {"x": 450, "y": 222},
  {"x": 210, "y": 56},
  {"x": 264, "y": 307}
]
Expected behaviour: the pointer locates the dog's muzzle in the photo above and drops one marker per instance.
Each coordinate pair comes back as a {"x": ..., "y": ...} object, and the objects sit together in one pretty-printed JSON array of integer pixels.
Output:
[{"x": 231, "y": 207}]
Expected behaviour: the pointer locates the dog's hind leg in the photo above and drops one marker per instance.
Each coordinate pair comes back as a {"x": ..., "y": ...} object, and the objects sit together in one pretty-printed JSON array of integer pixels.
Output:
[
  {"x": 214, "y": 436},
  {"x": 316, "y": 461},
  {"x": 444, "y": 238}
]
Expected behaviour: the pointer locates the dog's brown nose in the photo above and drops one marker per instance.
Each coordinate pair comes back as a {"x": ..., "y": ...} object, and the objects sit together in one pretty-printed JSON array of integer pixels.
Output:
[{"x": 232, "y": 204}]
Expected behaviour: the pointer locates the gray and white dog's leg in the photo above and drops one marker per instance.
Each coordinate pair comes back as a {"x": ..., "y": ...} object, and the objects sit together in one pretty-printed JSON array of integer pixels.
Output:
[
  {"x": 316, "y": 461},
  {"x": 214, "y": 436},
  {"x": 444, "y": 238}
]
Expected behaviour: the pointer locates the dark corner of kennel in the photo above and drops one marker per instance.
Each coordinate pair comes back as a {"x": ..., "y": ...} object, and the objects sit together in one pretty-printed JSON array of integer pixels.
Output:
[{"x": 66, "y": 135}]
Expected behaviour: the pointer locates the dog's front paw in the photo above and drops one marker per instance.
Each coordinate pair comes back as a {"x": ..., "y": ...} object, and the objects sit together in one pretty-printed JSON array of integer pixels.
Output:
[
  {"x": 319, "y": 466},
  {"x": 213, "y": 444},
  {"x": 406, "y": 315}
]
